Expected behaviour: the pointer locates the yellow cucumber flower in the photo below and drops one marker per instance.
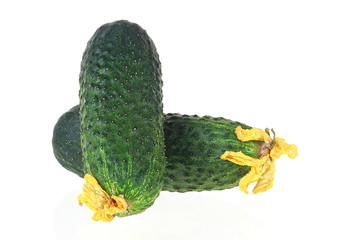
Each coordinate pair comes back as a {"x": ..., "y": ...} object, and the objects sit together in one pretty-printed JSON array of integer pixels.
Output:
[
  {"x": 262, "y": 169},
  {"x": 98, "y": 200}
]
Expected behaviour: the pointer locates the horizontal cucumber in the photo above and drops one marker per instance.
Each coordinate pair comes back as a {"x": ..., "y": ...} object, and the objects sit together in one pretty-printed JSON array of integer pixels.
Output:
[
  {"x": 193, "y": 148},
  {"x": 66, "y": 142}
]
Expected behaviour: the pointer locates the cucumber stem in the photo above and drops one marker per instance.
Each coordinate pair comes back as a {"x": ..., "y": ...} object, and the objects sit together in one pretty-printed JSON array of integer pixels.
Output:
[{"x": 274, "y": 142}]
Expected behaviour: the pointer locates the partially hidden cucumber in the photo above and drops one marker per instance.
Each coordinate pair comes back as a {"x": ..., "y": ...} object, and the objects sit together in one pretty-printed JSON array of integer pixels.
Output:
[
  {"x": 193, "y": 148},
  {"x": 121, "y": 116}
]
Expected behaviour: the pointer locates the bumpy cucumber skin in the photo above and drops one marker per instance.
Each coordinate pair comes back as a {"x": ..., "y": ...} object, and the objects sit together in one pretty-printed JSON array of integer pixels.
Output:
[
  {"x": 193, "y": 148},
  {"x": 66, "y": 142},
  {"x": 121, "y": 114}
]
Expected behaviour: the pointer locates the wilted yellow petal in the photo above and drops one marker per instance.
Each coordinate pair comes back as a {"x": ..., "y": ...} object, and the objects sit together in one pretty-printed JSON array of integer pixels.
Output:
[
  {"x": 282, "y": 147},
  {"x": 100, "y": 215},
  {"x": 253, "y": 134},
  {"x": 98, "y": 200},
  {"x": 252, "y": 176},
  {"x": 263, "y": 169},
  {"x": 242, "y": 159},
  {"x": 265, "y": 181},
  {"x": 92, "y": 194}
]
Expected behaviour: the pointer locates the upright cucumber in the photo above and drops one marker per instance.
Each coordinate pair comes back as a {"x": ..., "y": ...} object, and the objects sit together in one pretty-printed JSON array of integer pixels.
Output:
[
  {"x": 121, "y": 116},
  {"x": 193, "y": 149}
]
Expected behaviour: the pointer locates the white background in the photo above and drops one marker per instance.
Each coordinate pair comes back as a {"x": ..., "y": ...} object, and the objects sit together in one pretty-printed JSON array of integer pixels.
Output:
[{"x": 263, "y": 63}]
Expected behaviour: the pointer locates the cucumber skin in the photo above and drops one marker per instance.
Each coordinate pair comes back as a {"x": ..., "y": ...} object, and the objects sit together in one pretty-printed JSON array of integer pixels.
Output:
[
  {"x": 66, "y": 142},
  {"x": 121, "y": 117},
  {"x": 193, "y": 148}
]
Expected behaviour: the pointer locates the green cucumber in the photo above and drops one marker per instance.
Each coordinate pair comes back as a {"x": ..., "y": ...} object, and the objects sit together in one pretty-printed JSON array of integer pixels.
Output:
[
  {"x": 121, "y": 117},
  {"x": 66, "y": 142},
  {"x": 193, "y": 149}
]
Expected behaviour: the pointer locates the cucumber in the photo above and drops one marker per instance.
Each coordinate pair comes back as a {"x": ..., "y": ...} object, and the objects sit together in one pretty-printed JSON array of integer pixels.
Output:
[
  {"x": 121, "y": 114},
  {"x": 193, "y": 148},
  {"x": 66, "y": 142}
]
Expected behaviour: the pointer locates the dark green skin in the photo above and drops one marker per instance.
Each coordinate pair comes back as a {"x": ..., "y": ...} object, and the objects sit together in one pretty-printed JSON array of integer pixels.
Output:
[
  {"x": 66, "y": 142},
  {"x": 121, "y": 117},
  {"x": 193, "y": 149}
]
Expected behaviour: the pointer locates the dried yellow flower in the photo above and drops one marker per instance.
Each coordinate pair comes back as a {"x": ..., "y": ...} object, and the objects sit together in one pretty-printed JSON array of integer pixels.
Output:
[
  {"x": 98, "y": 200},
  {"x": 257, "y": 134},
  {"x": 262, "y": 169},
  {"x": 242, "y": 159}
]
